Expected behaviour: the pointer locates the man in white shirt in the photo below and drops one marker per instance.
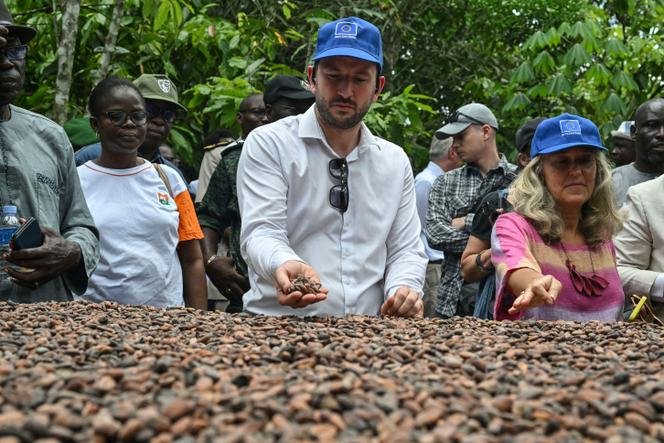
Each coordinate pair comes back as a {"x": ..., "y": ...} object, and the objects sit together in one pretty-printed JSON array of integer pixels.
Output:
[
  {"x": 441, "y": 159},
  {"x": 320, "y": 196}
]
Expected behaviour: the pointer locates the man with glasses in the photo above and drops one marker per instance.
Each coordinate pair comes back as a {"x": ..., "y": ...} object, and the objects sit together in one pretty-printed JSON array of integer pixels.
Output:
[
  {"x": 250, "y": 115},
  {"x": 163, "y": 108},
  {"x": 455, "y": 195},
  {"x": 284, "y": 96},
  {"x": 39, "y": 178},
  {"x": 323, "y": 199}
]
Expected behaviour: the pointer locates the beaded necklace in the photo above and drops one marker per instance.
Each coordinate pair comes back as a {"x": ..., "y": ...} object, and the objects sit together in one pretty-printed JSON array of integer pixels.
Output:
[{"x": 590, "y": 286}]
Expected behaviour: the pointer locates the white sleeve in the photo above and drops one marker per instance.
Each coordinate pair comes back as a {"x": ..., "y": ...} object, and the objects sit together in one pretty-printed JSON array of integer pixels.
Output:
[
  {"x": 422, "y": 189},
  {"x": 406, "y": 260},
  {"x": 262, "y": 196}
]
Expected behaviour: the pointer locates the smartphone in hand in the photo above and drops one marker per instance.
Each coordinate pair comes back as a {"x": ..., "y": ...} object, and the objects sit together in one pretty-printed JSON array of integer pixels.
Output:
[{"x": 28, "y": 235}]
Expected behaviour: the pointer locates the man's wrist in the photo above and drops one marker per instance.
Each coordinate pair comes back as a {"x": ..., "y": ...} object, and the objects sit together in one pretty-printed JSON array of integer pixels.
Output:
[
  {"x": 478, "y": 262},
  {"x": 75, "y": 254}
]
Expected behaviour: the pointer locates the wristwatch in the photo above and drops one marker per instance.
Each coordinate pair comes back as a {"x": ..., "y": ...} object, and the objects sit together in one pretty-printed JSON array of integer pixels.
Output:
[
  {"x": 212, "y": 258},
  {"x": 478, "y": 262}
]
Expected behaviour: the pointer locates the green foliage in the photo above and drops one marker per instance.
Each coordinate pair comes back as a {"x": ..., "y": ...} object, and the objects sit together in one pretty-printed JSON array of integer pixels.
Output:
[
  {"x": 399, "y": 119},
  {"x": 523, "y": 73},
  {"x": 518, "y": 102},
  {"x": 543, "y": 63},
  {"x": 522, "y": 59},
  {"x": 602, "y": 66}
]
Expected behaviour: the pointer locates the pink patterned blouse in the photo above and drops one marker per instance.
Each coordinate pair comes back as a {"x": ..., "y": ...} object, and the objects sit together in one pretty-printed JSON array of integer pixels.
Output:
[{"x": 515, "y": 244}]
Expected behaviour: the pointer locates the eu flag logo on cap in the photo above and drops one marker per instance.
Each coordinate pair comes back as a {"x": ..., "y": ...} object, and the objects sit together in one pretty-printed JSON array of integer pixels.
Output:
[
  {"x": 345, "y": 30},
  {"x": 569, "y": 127},
  {"x": 350, "y": 37}
]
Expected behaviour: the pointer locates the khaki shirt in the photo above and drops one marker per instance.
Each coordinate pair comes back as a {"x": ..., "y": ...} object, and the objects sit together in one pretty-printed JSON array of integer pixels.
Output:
[{"x": 209, "y": 164}]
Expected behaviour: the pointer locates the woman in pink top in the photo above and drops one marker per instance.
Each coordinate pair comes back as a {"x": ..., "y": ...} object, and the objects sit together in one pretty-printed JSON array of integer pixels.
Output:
[{"x": 553, "y": 255}]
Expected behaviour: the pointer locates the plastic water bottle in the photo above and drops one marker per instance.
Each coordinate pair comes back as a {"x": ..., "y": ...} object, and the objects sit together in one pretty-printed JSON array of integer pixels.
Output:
[{"x": 8, "y": 225}]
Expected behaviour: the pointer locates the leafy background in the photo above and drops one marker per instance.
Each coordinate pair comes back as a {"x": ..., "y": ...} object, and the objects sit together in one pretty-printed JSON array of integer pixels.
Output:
[{"x": 523, "y": 59}]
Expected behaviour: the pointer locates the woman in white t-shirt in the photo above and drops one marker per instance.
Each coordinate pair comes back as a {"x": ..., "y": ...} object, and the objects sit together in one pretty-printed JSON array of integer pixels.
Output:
[{"x": 149, "y": 234}]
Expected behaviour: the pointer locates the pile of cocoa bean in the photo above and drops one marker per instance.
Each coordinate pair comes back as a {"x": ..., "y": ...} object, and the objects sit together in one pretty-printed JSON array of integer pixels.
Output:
[{"x": 80, "y": 372}]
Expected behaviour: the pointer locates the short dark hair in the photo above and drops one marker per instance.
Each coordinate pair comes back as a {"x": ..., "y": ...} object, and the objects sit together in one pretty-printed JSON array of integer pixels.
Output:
[
  {"x": 643, "y": 107},
  {"x": 100, "y": 93},
  {"x": 245, "y": 101},
  {"x": 378, "y": 72}
]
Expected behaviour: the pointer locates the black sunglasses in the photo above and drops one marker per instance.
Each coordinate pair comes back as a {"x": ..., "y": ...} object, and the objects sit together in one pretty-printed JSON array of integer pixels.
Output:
[
  {"x": 14, "y": 53},
  {"x": 456, "y": 117},
  {"x": 168, "y": 115},
  {"x": 118, "y": 118},
  {"x": 339, "y": 193}
]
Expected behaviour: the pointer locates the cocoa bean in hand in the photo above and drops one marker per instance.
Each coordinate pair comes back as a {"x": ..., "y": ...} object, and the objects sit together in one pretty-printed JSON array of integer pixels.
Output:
[{"x": 305, "y": 285}]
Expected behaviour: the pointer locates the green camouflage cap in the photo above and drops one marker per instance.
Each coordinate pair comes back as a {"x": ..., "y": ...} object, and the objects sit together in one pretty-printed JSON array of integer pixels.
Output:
[{"x": 158, "y": 87}]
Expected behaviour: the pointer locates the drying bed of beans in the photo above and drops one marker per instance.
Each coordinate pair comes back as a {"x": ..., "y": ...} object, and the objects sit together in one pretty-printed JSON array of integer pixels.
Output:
[{"x": 98, "y": 373}]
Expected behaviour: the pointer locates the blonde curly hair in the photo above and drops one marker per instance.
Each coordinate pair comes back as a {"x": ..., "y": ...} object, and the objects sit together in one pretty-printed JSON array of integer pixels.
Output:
[{"x": 600, "y": 217}]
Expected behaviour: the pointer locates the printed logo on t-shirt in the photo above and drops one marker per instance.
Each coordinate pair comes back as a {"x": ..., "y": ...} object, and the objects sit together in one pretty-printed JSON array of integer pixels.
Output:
[{"x": 163, "y": 199}]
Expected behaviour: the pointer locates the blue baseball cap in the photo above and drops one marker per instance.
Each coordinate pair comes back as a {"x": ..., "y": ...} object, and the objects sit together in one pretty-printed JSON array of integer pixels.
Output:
[
  {"x": 350, "y": 37},
  {"x": 565, "y": 132}
]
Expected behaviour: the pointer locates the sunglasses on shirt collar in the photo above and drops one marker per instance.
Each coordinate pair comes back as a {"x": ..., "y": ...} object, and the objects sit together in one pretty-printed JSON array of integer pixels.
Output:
[{"x": 339, "y": 195}]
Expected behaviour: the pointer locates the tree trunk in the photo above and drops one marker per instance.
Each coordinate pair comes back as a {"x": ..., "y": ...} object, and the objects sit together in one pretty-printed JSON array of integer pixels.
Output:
[
  {"x": 111, "y": 39},
  {"x": 66, "y": 50}
]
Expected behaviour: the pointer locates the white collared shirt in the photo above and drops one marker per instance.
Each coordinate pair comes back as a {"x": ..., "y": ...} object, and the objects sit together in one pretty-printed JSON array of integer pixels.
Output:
[
  {"x": 363, "y": 255},
  {"x": 423, "y": 184}
]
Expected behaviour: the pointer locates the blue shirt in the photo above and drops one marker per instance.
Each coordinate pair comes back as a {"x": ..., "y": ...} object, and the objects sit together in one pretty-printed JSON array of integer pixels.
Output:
[
  {"x": 93, "y": 151},
  {"x": 423, "y": 183}
]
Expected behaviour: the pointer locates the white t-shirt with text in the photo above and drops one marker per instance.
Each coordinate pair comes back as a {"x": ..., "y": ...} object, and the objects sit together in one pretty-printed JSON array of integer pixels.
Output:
[{"x": 138, "y": 223}]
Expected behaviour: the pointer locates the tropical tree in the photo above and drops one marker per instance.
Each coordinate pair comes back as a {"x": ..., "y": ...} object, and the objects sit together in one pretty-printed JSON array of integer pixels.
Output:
[
  {"x": 602, "y": 66},
  {"x": 520, "y": 58}
]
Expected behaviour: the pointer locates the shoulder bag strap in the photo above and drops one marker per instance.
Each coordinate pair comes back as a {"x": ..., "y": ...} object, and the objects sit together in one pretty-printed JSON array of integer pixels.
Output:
[{"x": 164, "y": 178}]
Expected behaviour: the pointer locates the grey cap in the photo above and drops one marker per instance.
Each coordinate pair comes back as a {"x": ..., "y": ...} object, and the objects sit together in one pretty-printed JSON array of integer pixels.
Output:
[
  {"x": 624, "y": 131},
  {"x": 472, "y": 113},
  {"x": 440, "y": 146}
]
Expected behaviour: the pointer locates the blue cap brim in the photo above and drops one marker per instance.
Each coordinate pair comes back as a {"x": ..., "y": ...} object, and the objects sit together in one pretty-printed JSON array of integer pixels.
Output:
[
  {"x": 566, "y": 146},
  {"x": 348, "y": 52}
]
